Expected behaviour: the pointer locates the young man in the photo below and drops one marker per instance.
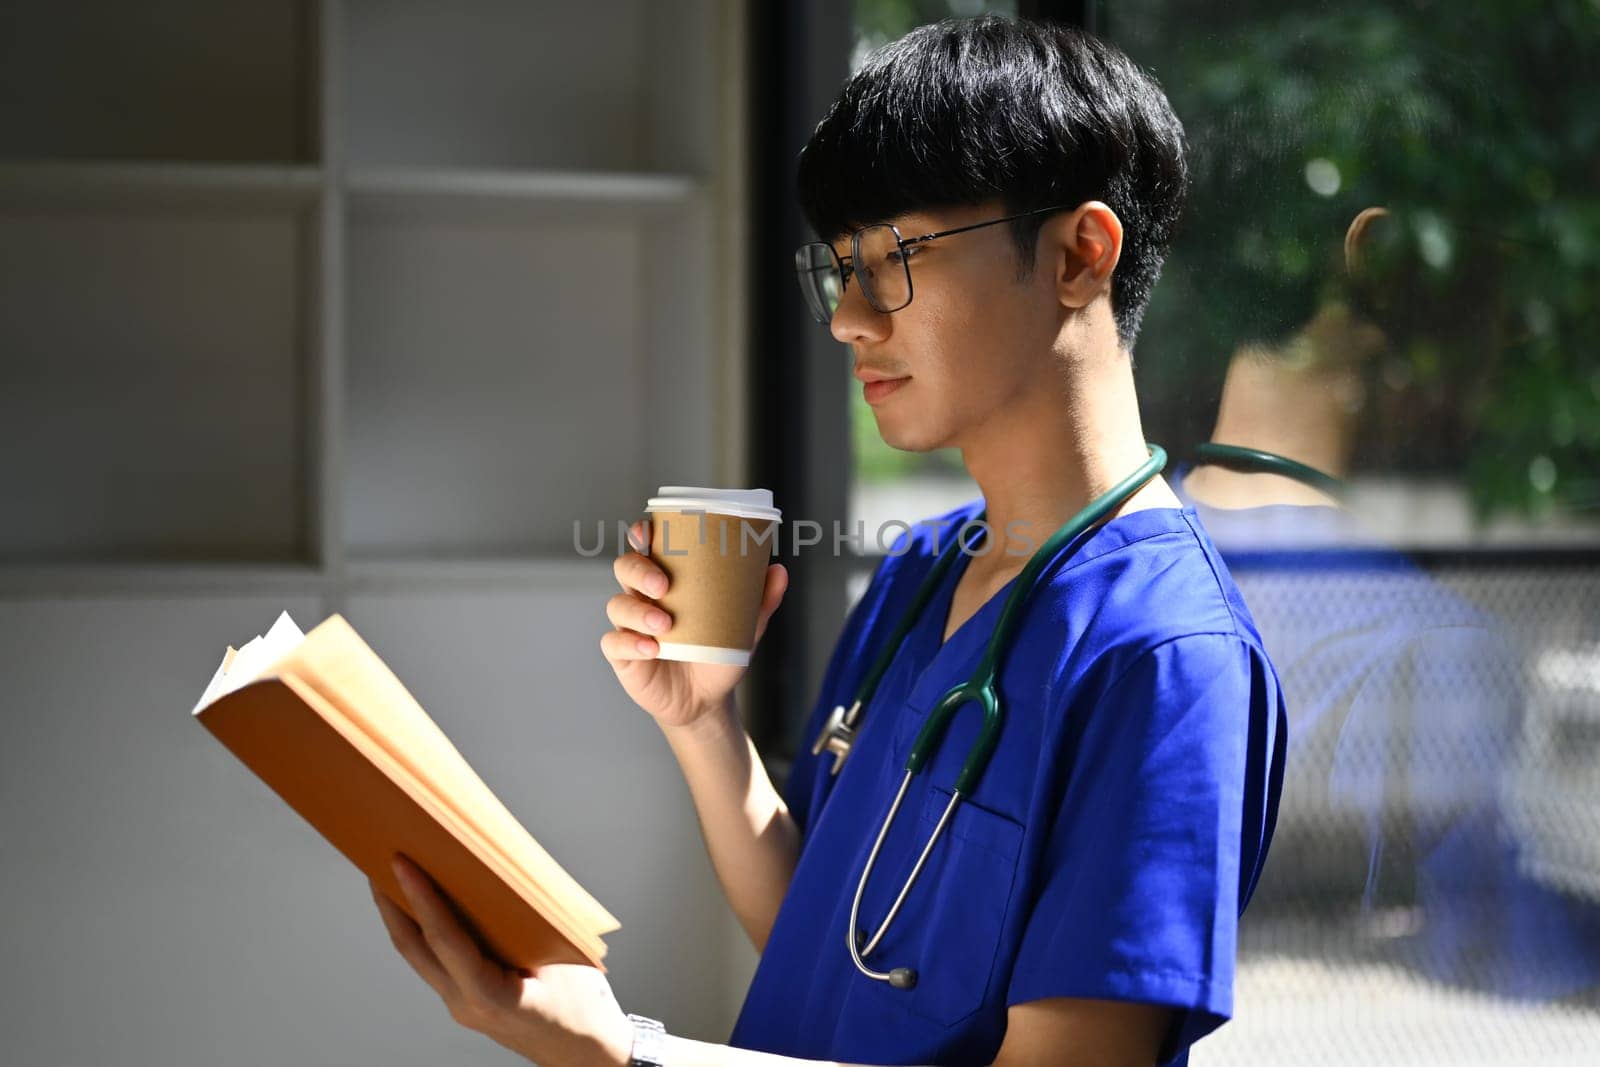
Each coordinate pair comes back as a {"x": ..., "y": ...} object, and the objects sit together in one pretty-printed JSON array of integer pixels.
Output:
[{"x": 1079, "y": 905}]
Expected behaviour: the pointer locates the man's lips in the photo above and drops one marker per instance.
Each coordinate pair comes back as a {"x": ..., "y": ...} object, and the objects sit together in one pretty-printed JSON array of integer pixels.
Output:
[{"x": 878, "y": 388}]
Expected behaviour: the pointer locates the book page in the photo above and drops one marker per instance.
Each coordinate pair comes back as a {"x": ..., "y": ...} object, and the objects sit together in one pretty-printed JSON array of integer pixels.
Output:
[{"x": 248, "y": 663}]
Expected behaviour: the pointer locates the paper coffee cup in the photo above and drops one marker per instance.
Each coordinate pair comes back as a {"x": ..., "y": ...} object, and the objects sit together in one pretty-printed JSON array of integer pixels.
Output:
[{"x": 715, "y": 545}]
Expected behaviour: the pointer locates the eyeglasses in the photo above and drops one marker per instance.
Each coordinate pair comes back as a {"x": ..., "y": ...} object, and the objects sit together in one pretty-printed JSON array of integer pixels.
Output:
[{"x": 880, "y": 262}]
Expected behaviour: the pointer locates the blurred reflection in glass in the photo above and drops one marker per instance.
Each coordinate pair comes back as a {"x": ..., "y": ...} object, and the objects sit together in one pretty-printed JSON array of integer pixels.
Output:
[{"x": 1389, "y": 265}]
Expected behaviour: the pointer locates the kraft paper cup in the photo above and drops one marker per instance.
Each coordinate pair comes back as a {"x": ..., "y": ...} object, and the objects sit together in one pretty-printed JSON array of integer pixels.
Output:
[{"x": 715, "y": 545}]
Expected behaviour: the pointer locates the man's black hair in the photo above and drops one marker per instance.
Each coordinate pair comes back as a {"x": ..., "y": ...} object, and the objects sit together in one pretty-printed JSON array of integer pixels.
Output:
[{"x": 968, "y": 110}]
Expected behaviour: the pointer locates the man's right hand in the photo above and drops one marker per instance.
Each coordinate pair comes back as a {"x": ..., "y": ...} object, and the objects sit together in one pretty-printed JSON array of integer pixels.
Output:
[{"x": 676, "y": 694}]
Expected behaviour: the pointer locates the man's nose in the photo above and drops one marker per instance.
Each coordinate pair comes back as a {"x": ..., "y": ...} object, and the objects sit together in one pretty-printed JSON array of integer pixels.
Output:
[{"x": 855, "y": 320}]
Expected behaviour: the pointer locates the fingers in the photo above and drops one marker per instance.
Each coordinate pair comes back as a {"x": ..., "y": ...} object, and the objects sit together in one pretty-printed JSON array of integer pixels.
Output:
[
  {"x": 412, "y": 946},
  {"x": 638, "y": 574},
  {"x": 474, "y": 974},
  {"x": 629, "y": 612},
  {"x": 772, "y": 595},
  {"x": 636, "y": 571},
  {"x": 637, "y": 618},
  {"x": 777, "y": 585},
  {"x": 623, "y": 647},
  {"x": 639, "y": 535}
]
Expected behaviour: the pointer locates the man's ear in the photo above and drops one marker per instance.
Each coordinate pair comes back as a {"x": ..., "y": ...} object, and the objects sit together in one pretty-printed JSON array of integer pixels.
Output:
[
  {"x": 1356, "y": 236},
  {"x": 1090, "y": 244}
]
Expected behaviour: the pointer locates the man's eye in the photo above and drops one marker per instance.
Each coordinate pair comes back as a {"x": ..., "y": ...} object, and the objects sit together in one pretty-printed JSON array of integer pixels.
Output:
[{"x": 903, "y": 254}]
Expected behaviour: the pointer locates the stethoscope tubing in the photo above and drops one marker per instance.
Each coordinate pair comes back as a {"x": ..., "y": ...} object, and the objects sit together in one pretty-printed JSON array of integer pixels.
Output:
[{"x": 1259, "y": 461}]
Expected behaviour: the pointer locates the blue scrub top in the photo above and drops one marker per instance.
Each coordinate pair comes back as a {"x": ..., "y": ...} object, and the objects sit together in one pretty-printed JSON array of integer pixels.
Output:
[{"x": 1107, "y": 852}]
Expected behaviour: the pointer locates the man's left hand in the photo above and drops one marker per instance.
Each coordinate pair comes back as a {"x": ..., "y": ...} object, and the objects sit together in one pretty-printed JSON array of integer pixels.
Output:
[{"x": 560, "y": 1014}]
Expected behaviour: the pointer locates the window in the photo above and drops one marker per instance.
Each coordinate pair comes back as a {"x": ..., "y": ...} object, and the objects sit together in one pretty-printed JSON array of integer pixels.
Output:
[
  {"x": 1388, "y": 266},
  {"x": 1461, "y": 393}
]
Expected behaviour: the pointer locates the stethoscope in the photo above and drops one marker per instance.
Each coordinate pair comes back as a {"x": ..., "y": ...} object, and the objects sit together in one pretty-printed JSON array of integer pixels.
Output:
[
  {"x": 1257, "y": 461},
  {"x": 839, "y": 733}
]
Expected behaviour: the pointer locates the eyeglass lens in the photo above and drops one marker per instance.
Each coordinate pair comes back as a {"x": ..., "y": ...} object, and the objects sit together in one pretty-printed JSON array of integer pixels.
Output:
[
  {"x": 877, "y": 266},
  {"x": 885, "y": 281},
  {"x": 820, "y": 280}
]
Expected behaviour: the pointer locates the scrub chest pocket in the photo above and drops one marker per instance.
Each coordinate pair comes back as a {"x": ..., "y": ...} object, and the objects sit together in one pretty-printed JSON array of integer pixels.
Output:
[{"x": 950, "y": 927}]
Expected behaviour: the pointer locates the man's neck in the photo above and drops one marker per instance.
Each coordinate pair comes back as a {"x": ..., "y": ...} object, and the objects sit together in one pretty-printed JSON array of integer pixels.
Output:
[
  {"x": 1293, "y": 412},
  {"x": 1047, "y": 456},
  {"x": 1271, "y": 403}
]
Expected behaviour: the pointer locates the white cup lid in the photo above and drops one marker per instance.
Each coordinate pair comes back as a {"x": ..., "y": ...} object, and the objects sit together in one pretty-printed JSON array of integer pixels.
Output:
[{"x": 741, "y": 503}]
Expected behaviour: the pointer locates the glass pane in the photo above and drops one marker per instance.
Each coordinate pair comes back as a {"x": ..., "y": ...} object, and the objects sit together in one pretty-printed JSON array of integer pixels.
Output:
[
  {"x": 878, "y": 22},
  {"x": 1388, "y": 271},
  {"x": 1447, "y": 355}
]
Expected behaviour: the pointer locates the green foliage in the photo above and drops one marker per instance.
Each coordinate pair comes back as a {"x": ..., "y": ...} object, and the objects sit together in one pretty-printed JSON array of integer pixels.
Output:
[
  {"x": 1467, "y": 121},
  {"x": 880, "y": 21}
]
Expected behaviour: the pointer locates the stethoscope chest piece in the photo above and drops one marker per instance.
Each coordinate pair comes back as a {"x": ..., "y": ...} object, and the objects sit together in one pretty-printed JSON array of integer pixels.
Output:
[{"x": 899, "y": 977}]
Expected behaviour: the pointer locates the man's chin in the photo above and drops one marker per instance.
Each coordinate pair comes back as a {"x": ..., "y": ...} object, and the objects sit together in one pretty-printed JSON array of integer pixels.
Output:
[
  {"x": 904, "y": 434},
  {"x": 901, "y": 441}
]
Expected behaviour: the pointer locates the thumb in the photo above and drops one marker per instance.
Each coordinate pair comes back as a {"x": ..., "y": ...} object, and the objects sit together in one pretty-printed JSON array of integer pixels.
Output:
[{"x": 772, "y": 595}]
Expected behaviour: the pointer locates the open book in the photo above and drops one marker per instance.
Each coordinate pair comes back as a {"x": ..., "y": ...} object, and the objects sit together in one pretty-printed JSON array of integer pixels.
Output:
[{"x": 328, "y": 726}]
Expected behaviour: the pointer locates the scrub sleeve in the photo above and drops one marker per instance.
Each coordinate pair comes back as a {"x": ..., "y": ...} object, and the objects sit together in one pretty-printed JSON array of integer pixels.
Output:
[{"x": 1144, "y": 858}]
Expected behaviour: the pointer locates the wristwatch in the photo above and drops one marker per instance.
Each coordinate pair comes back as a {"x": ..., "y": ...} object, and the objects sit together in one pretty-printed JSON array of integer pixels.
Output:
[{"x": 649, "y": 1042}]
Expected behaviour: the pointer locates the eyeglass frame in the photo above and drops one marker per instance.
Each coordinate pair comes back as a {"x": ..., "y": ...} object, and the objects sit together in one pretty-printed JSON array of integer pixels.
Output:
[{"x": 900, "y": 246}]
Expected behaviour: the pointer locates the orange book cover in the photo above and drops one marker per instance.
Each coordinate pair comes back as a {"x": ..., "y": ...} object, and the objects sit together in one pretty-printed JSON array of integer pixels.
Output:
[{"x": 323, "y": 721}]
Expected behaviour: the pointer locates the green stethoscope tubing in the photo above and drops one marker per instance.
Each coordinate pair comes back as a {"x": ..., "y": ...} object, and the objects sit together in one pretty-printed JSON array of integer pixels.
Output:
[
  {"x": 980, "y": 687},
  {"x": 1257, "y": 461}
]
